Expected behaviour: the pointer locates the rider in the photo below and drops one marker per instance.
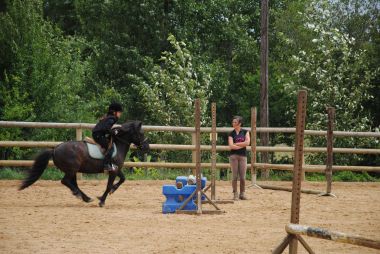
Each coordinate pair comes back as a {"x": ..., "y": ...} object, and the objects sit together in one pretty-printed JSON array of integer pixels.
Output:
[{"x": 102, "y": 133}]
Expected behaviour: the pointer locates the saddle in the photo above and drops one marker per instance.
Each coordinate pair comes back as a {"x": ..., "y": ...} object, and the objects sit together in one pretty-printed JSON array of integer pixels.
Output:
[{"x": 95, "y": 150}]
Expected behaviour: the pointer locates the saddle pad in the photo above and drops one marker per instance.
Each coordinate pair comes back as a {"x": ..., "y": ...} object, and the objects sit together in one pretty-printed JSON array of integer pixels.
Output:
[{"x": 95, "y": 153}]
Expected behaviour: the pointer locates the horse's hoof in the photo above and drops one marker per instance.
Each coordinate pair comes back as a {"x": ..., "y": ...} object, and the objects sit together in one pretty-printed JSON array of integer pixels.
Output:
[
  {"x": 101, "y": 203},
  {"x": 88, "y": 200}
]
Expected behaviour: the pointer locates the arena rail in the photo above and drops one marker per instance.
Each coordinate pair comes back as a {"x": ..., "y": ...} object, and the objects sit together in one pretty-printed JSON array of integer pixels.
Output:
[
  {"x": 89, "y": 126},
  {"x": 205, "y": 147},
  {"x": 308, "y": 168},
  {"x": 184, "y": 165}
]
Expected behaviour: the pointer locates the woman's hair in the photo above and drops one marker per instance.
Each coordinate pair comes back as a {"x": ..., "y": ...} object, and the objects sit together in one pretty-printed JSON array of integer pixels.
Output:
[{"x": 239, "y": 119}]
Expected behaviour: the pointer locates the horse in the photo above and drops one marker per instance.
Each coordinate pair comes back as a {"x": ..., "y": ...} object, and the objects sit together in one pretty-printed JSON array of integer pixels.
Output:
[{"x": 72, "y": 157}]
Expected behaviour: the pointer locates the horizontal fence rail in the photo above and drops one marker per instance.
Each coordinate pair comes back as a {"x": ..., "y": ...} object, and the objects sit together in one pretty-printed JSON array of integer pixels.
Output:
[
  {"x": 288, "y": 149},
  {"x": 179, "y": 165},
  {"x": 174, "y": 147},
  {"x": 11, "y": 124}
]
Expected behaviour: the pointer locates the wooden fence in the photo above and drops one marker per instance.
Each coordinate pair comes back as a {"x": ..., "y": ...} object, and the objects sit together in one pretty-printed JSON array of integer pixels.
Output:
[{"x": 79, "y": 127}]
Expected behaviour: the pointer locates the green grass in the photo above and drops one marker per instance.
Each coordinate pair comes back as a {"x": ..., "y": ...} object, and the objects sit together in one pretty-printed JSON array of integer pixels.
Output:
[
  {"x": 11, "y": 174},
  {"x": 18, "y": 174},
  {"x": 171, "y": 174}
]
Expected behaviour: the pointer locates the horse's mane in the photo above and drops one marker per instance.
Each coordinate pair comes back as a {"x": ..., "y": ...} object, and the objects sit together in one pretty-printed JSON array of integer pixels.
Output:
[{"x": 128, "y": 126}]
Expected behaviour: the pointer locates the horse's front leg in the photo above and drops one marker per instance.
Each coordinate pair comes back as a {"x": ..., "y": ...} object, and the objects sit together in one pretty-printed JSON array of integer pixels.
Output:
[
  {"x": 117, "y": 185},
  {"x": 111, "y": 179}
]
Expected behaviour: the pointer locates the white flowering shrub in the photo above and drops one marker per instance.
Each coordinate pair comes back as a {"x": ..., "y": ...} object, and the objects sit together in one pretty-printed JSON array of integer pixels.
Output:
[
  {"x": 173, "y": 86},
  {"x": 333, "y": 73}
]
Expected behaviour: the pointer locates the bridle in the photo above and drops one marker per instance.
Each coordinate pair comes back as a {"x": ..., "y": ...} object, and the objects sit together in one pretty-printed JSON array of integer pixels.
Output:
[{"x": 120, "y": 138}]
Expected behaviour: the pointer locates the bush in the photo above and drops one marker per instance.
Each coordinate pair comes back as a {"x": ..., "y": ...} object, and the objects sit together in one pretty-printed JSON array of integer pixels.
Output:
[{"x": 11, "y": 174}]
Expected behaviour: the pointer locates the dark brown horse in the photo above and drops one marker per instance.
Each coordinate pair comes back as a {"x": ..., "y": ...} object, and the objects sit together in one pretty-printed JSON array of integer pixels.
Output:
[{"x": 73, "y": 156}]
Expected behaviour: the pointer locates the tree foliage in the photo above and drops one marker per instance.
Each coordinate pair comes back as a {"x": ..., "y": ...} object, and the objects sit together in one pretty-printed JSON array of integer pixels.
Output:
[{"x": 65, "y": 61}]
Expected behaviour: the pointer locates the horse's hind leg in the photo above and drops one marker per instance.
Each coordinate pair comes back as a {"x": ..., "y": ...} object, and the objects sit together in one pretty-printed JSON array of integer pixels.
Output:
[
  {"x": 85, "y": 198},
  {"x": 111, "y": 179},
  {"x": 67, "y": 180},
  {"x": 117, "y": 185}
]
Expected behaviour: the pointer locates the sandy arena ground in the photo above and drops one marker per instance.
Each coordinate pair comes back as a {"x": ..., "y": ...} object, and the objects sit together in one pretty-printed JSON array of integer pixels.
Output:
[{"x": 46, "y": 218}]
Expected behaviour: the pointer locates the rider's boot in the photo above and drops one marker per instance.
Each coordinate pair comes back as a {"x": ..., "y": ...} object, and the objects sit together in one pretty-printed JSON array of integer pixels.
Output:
[
  {"x": 242, "y": 196},
  {"x": 107, "y": 161}
]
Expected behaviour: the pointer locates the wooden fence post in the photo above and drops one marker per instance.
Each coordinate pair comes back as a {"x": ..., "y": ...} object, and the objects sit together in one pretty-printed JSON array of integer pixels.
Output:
[
  {"x": 193, "y": 153},
  {"x": 253, "y": 148},
  {"x": 198, "y": 154},
  {"x": 298, "y": 163},
  {"x": 213, "y": 150},
  {"x": 330, "y": 155},
  {"x": 79, "y": 137},
  {"x": 292, "y": 240}
]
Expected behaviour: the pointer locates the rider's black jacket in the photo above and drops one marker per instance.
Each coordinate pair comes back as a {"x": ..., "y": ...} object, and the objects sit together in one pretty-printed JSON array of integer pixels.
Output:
[{"x": 104, "y": 126}]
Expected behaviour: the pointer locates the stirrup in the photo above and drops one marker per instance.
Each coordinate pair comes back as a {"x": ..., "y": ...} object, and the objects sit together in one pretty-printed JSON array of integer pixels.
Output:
[{"x": 110, "y": 167}]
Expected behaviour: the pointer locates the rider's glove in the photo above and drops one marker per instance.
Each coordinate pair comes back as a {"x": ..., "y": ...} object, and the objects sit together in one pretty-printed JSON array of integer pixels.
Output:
[{"x": 115, "y": 131}]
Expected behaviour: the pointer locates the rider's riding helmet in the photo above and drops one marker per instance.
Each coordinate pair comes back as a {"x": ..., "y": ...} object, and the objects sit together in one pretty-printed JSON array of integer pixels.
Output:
[{"x": 115, "y": 107}]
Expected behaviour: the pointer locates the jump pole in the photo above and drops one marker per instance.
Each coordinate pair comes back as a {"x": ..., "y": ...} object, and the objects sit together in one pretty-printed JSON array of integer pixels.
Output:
[
  {"x": 213, "y": 150},
  {"x": 213, "y": 161},
  {"x": 253, "y": 147},
  {"x": 330, "y": 145},
  {"x": 292, "y": 240},
  {"x": 198, "y": 191}
]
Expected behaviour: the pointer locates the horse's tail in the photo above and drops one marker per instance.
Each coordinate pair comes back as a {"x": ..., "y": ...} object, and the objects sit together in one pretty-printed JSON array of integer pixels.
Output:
[{"x": 38, "y": 168}]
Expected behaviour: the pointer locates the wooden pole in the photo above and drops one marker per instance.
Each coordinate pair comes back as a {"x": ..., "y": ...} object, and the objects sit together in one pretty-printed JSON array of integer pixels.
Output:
[
  {"x": 282, "y": 246},
  {"x": 264, "y": 109},
  {"x": 213, "y": 150},
  {"x": 193, "y": 153},
  {"x": 198, "y": 154},
  {"x": 271, "y": 187},
  {"x": 213, "y": 162},
  {"x": 296, "y": 229},
  {"x": 79, "y": 137},
  {"x": 198, "y": 191},
  {"x": 298, "y": 161},
  {"x": 176, "y": 165},
  {"x": 253, "y": 147},
  {"x": 330, "y": 145},
  {"x": 147, "y": 128},
  {"x": 305, "y": 245},
  {"x": 206, "y": 148}
]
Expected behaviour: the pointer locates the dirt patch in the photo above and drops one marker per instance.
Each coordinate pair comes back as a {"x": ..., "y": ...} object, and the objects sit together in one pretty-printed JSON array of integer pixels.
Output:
[{"x": 46, "y": 218}]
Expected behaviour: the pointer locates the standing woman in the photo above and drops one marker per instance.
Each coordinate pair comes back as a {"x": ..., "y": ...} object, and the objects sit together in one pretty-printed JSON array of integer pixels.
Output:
[{"x": 238, "y": 140}]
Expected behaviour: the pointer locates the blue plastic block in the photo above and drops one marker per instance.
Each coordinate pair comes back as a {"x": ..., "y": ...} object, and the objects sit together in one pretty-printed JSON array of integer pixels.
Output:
[
  {"x": 183, "y": 180},
  {"x": 176, "y": 197}
]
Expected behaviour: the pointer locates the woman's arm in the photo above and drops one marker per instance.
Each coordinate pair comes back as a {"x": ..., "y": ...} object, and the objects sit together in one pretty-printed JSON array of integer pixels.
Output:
[
  {"x": 232, "y": 145},
  {"x": 247, "y": 141}
]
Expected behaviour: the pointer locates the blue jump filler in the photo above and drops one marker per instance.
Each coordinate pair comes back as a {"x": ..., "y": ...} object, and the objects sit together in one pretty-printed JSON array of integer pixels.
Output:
[{"x": 175, "y": 197}]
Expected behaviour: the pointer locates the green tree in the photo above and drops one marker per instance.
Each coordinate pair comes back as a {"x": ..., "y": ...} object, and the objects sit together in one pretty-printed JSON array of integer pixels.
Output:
[
  {"x": 43, "y": 72},
  {"x": 335, "y": 71}
]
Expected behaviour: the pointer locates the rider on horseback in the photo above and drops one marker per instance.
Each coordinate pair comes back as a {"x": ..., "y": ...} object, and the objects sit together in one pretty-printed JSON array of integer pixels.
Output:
[{"x": 102, "y": 133}]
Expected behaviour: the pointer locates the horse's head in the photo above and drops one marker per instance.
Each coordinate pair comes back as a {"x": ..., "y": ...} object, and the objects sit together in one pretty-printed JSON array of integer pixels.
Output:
[{"x": 131, "y": 132}]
